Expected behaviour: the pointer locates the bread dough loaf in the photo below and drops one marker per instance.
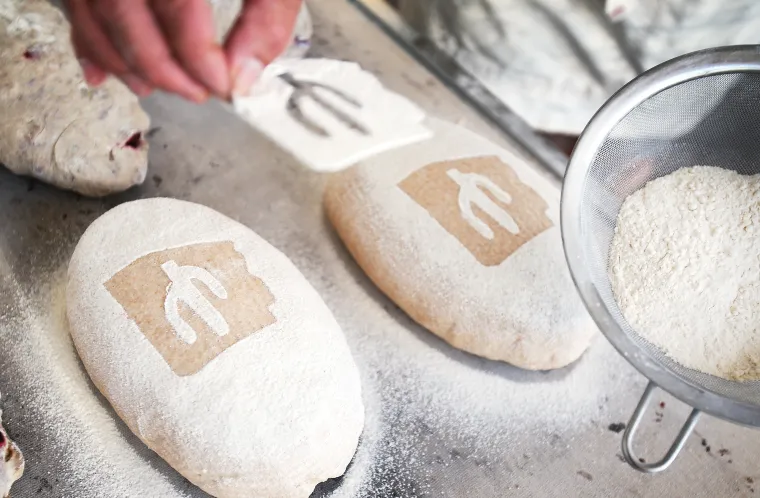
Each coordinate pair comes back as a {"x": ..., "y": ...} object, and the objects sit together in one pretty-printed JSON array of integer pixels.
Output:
[
  {"x": 54, "y": 127},
  {"x": 465, "y": 238},
  {"x": 214, "y": 349},
  {"x": 11, "y": 461}
]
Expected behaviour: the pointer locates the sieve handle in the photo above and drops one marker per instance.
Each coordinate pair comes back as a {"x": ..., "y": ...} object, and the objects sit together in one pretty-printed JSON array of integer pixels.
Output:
[{"x": 675, "y": 448}]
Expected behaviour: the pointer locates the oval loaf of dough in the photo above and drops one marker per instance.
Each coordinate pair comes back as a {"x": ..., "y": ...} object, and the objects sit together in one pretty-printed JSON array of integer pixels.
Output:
[
  {"x": 464, "y": 237},
  {"x": 54, "y": 127},
  {"x": 214, "y": 349}
]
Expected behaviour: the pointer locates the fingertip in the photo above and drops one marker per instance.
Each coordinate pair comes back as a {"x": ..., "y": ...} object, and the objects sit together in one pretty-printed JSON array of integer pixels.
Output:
[
  {"x": 214, "y": 72},
  {"x": 168, "y": 76},
  {"x": 262, "y": 31},
  {"x": 93, "y": 75},
  {"x": 137, "y": 85},
  {"x": 195, "y": 93},
  {"x": 244, "y": 74},
  {"x": 188, "y": 30},
  {"x": 191, "y": 91},
  {"x": 200, "y": 98},
  {"x": 96, "y": 81}
]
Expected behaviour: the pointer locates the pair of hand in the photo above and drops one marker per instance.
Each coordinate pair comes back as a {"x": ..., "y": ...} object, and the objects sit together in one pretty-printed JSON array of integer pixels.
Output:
[{"x": 170, "y": 44}]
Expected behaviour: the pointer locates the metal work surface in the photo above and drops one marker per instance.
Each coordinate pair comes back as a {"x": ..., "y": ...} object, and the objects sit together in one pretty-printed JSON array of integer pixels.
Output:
[
  {"x": 467, "y": 87},
  {"x": 439, "y": 422}
]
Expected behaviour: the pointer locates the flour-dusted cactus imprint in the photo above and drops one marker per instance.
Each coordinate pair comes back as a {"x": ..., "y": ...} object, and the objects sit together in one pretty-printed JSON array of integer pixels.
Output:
[
  {"x": 193, "y": 302},
  {"x": 481, "y": 202}
]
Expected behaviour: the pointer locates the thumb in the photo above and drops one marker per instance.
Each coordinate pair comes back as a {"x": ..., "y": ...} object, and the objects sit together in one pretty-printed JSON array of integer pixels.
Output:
[{"x": 260, "y": 34}]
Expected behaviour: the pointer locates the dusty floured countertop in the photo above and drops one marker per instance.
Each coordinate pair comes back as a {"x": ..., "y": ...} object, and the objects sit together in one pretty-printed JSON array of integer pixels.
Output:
[{"x": 439, "y": 422}]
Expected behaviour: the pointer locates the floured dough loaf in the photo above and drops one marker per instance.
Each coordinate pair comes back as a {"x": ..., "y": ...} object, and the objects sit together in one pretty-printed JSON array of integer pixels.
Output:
[
  {"x": 465, "y": 238},
  {"x": 11, "y": 461},
  {"x": 54, "y": 127},
  {"x": 214, "y": 349}
]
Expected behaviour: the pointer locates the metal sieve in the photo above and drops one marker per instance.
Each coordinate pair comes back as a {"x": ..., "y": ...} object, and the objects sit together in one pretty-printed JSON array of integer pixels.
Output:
[{"x": 699, "y": 109}]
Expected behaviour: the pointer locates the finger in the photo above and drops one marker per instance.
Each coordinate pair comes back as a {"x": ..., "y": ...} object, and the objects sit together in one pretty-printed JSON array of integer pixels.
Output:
[
  {"x": 95, "y": 52},
  {"x": 189, "y": 29},
  {"x": 261, "y": 33},
  {"x": 136, "y": 84},
  {"x": 141, "y": 44},
  {"x": 90, "y": 41},
  {"x": 262, "y": 30},
  {"x": 95, "y": 75}
]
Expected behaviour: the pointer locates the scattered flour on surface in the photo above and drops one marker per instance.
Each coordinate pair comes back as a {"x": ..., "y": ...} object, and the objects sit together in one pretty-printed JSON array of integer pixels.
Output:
[
  {"x": 421, "y": 397},
  {"x": 685, "y": 269},
  {"x": 83, "y": 435},
  {"x": 432, "y": 412}
]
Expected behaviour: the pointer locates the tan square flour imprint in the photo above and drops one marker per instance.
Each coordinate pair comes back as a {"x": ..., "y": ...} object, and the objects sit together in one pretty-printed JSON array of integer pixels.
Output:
[
  {"x": 193, "y": 302},
  {"x": 481, "y": 202}
]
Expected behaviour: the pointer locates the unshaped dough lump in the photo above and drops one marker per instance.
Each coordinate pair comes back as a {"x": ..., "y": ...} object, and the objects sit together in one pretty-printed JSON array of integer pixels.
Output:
[
  {"x": 465, "y": 238},
  {"x": 54, "y": 127}
]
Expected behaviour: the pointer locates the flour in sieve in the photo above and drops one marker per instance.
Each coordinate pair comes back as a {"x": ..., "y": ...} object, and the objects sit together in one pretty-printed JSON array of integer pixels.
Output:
[{"x": 685, "y": 269}]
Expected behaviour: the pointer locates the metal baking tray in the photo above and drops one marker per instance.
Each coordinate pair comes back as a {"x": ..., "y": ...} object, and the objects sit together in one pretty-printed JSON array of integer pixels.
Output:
[{"x": 440, "y": 422}]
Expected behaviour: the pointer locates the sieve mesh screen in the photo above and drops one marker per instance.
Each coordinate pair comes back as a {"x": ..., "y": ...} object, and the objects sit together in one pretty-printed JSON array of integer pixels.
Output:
[{"x": 713, "y": 120}]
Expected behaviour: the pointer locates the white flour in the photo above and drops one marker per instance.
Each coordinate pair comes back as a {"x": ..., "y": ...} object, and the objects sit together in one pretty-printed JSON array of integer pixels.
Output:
[
  {"x": 431, "y": 411},
  {"x": 685, "y": 269},
  {"x": 414, "y": 386},
  {"x": 58, "y": 391}
]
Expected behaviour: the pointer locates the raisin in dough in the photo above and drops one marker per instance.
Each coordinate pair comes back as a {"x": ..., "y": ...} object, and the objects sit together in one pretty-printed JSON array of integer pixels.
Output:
[
  {"x": 54, "y": 127},
  {"x": 214, "y": 349},
  {"x": 465, "y": 238}
]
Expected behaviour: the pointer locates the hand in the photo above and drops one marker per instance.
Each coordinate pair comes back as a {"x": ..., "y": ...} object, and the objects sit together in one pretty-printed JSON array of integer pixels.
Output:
[
  {"x": 170, "y": 44},
  {"x": 261, "y": 33}
]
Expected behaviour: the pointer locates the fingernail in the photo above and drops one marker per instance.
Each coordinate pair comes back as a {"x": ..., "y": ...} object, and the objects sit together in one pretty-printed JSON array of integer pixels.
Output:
[
  {"x": 92, "y": 75},
  {"x": 248, "y": 72},
  {"x": 138, "y": 86}
]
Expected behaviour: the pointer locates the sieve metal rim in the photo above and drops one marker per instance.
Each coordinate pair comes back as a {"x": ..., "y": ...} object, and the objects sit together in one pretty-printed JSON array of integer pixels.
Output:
[{"x": 722, "y": 60}]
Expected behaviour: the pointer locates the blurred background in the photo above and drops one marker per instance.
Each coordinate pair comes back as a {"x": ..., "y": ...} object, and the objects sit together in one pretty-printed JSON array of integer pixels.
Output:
[{"x": 546, "y": 66}]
